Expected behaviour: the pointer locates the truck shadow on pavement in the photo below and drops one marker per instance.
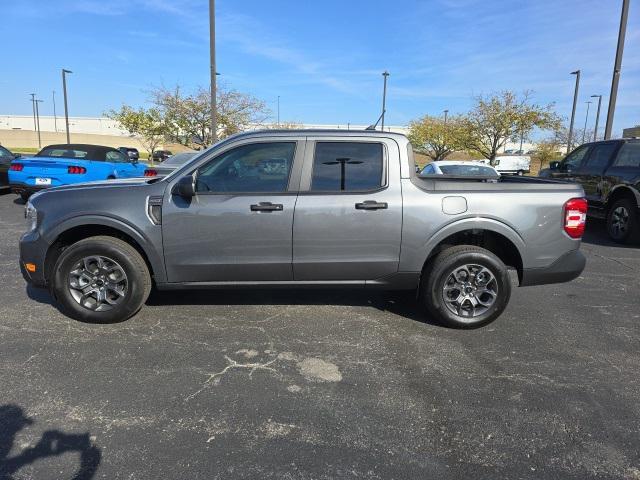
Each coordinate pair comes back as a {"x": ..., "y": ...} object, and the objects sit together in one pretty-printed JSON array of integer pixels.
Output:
[
  {"x": 401, "y": 303},
  {"x": 596, "y": 234},
  {"x": 52, "y": 443}
]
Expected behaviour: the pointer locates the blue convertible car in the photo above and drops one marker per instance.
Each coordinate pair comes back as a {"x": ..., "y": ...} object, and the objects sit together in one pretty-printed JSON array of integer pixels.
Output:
[{"x": 70, "y": 163}]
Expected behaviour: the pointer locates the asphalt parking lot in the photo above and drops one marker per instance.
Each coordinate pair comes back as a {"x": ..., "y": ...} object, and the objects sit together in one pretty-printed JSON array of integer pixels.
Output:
[{"x": 324, "y": 384}]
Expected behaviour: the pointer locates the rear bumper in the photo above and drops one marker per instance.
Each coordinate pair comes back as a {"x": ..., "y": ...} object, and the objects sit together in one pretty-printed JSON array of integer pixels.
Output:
[
  {"x": 19, "y": 188},
  {"x": 566, "y": 268}
]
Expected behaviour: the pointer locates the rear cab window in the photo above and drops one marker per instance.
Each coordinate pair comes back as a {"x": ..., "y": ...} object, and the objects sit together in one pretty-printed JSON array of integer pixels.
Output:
[{"x": 348, "y": 167}]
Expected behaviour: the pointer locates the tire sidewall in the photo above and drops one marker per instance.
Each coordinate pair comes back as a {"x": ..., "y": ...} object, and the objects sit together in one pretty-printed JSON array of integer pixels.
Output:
[
  {"x": 134, "y": 297},
  {"x": 632, "y": 226},
  {"x": 438, "y": 276}
]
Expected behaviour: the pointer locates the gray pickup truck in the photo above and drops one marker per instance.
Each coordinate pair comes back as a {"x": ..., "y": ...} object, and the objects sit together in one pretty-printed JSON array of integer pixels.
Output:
[{"x": 303, "y": 209}]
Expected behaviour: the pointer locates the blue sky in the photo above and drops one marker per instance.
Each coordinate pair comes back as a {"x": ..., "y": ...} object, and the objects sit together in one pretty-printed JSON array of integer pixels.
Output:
[{"x": 323, "y": 58}]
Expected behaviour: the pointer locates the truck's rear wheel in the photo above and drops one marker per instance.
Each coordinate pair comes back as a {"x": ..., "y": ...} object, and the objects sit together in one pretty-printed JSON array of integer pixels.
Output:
[
  {"x": 466, "y": 287},
  {"x": 101, "y": 280},
  {"x": 623, "y": 224}
]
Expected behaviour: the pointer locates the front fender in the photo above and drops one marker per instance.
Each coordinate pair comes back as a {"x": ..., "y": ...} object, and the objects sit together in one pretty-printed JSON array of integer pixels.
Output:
[{"x": 146, "y": 244}]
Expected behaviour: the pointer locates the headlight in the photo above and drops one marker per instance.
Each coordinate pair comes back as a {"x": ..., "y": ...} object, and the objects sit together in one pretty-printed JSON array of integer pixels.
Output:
[{"x": 31, "y": 215}]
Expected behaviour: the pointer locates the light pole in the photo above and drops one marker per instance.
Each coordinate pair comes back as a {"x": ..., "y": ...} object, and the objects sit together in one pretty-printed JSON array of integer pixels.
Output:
[
  {"x": 617, "y": 69},
  {"x": 385, "y": 74},
  {"x": 278, "y": 110},
  {"x": 573, "y": 111},
  {"x": 595, "y": 130},
  {"x": 584, "y": 130},
  {"x": 33, "y": 106},
  {"x": 446, "y": 113},
  {"x": 55, "y": 118},
  {"x": 38, "y": 121},
  {"x": 342, "y": 162},
  {"x": 66, "y": 107},
  {"x": 212, "y": 53}
]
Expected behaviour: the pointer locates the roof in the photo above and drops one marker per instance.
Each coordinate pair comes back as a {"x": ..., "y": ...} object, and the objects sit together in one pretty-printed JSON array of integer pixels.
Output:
[
  {"x": 94, "y": 152},
  {"x": 313, "y": 131}
]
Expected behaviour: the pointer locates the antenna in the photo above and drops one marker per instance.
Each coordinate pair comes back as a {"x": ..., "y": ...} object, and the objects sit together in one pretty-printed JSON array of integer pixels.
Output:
[{"x": 375, "y": 125}]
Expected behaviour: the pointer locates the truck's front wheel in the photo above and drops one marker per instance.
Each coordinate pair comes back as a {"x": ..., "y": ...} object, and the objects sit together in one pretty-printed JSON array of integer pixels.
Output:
[
  {"x": 101, "y": 280},
  {"x": 466, "y": 286}
]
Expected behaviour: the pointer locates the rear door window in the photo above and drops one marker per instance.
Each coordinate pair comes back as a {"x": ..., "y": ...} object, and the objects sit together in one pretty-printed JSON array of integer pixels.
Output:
[
  {"x": 629, "y": 156},
  {"x": 600, "y": 156},
  {"x": 347, "y": 167}
]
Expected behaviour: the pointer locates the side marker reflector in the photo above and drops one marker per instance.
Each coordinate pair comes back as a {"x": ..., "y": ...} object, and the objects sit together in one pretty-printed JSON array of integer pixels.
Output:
[{"x": 31, "y": 267}]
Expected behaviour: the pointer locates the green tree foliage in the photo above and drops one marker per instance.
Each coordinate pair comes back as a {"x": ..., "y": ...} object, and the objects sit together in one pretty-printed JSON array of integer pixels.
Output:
[
  {"x": 187, "y": 116},
  {"x": 433, "y": 137},
  {"x": 147, "y": 124},
  {"x": 498, "y": 117}
]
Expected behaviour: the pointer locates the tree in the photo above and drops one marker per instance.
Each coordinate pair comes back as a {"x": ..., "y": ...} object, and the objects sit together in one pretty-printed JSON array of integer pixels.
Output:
[
  {"x": 147, "y": 124},
  {"x": 433, "y": 137},
  {"x": 498, "y": 117},
  {"x": 561, "y": 136},
  {"x": 188, "y": 116},
  {"x": 547, "y": 151}
]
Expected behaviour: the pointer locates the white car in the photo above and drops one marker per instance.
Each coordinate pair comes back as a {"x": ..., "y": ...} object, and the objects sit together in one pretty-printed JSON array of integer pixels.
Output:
[{"x": 453, "y": 167}]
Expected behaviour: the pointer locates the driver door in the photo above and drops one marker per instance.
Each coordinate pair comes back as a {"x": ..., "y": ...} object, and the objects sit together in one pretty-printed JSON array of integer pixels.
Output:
[
  {"x": 238, "y": 226},
  {"x": 570, "y": 166}
]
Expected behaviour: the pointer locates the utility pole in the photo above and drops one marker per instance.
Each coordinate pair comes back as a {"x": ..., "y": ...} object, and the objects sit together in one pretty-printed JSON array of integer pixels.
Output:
[
  {"x": 595, "y": 130},
  {"x": 212, "y": 53},
  {"x": 66, "y": 107},
  {"x": 278, "y": 111},
  {"x": 385, "y": 74},
  {"x": 584, "y": 130},
  {"x": 33, "y": 106},
  {"x": 573, "y": 111},
  {"x": 38, "y": 121},
  {"x": 617, "y": 68},
  {"x": 55, "y": 119}
]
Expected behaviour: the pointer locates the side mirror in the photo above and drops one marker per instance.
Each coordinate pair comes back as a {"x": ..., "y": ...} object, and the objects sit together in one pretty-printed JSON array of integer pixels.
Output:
[
  {"x": 185, "y": 187},
  {"x": 554, "y": 165}
]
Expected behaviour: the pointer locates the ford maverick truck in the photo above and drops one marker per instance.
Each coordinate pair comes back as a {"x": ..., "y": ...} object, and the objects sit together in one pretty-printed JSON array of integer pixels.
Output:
[{"x": 307, "y": 208}]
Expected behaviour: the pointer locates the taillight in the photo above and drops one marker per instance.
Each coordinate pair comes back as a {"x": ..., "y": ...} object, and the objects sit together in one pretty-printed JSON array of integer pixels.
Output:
[
  {"x": 149, "y": 172},
  {"x": 16, "y": 167},
  {"x": 575, "y": 217},
  {"x": 76, "y": 170}
]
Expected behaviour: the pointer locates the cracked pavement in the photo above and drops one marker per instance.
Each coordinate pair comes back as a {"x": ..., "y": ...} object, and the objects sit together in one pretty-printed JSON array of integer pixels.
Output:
[{"x": 326, "y": 384}]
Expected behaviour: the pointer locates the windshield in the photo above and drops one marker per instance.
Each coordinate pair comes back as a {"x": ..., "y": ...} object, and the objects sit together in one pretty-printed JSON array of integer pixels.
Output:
[
  {"x": 468, "y": 170},
  {"x": 179, "y": 158}
]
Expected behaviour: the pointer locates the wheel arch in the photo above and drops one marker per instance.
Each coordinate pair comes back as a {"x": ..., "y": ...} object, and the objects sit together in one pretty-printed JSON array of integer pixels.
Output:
[
  {"x": 80, "y": 228},
  {"x": 494, "y": 236},
  {"x": 622, "y": 191}
]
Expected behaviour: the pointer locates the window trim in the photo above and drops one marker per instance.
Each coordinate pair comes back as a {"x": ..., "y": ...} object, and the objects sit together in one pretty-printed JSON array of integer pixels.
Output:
[
  {"x": 310, "y": 153},
  {"x": 253, "y": 141}
]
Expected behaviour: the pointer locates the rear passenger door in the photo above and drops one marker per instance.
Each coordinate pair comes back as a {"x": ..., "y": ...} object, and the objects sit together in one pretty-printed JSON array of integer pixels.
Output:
[
  {"x": 348, "y": 216},
  {"x": 592, "y": 169}
]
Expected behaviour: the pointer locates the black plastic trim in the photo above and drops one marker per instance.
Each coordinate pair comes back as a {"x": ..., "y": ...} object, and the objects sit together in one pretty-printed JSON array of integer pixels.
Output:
[{"x": 566, "y": 268}]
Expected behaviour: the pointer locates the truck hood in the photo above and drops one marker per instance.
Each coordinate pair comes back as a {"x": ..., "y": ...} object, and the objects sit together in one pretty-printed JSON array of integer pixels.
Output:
[{"x": 101, "y": 184}]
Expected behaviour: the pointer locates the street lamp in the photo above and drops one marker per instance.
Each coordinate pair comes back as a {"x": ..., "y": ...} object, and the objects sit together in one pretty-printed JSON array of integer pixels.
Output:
[
  {"x": 278, "y": 111},
  {"x": 595, "y": 130},
  {"x": 33, "y": 107},
  {"x": 212, "y": 53},
  {"x": 573, "y": 111},
  {"x": 584, "y": 130},
  {"x": 446, "y": 112},
  {"x": 617, "y": 68},
  {"x": 342, "y": 162},
  {"x": 55, "y": 118},
  {"x": 66, "y": 107},
  {"x": 385, "y": 74}
]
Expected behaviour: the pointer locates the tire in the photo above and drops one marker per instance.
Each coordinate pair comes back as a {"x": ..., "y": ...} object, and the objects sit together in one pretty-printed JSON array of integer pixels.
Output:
[
  {"x": 492, "y": 296},
  {"x": 117, "y": 269},
  {"x": 623, "y": 224}
]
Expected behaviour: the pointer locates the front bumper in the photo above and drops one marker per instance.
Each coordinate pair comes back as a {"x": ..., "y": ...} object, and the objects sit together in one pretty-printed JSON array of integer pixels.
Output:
[
  {"x": 33, "y": 249},
  {"x": 566, "y": 268}
]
